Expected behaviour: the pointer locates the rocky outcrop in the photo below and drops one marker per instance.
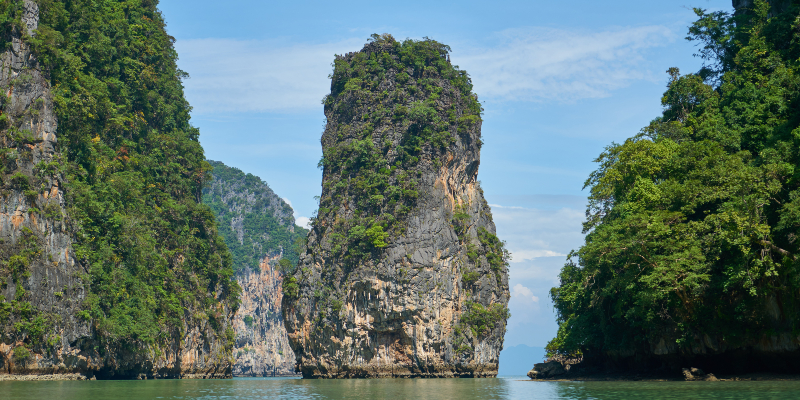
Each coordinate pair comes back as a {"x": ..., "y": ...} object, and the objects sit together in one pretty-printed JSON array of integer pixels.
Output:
[
  {"x": 403, "y": 275},
  {"x": 259, "y": 228},
  {"x": 549, "y": 369},
  {"x": 262, "y": 347},
  {"x": 45, "y": 332},
  {"x": 697, "y": 374}
]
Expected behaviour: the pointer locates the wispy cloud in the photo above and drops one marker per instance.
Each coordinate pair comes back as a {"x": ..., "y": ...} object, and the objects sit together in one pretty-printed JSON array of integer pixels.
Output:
[
  {"x": 305, "y": 222},
  {"x": 529, "y": 64},
  {"x": 522, "y": 292},
  {"x": 532, "y": 233},
  {"x": 538, "y": 64},
  {"x": 255, "y": 76}
]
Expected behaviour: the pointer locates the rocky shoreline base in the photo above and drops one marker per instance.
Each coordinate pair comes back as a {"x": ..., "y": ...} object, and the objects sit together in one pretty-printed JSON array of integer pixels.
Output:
[
  {"x": 563, "y": 369},
  {"x": 365, "y": 372},
  {"x": 47, "y": 377},
  {"x": 86, "y": 377}
]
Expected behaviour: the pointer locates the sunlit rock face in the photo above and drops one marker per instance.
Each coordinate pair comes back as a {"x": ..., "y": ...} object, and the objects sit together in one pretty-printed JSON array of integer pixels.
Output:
[
  {"x": 262, "y": 347},
  {"x": 402, "y": 274}
]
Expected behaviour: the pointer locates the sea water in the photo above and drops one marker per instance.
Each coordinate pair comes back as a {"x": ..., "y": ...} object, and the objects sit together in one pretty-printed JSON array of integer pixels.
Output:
[{"x": 394, "y": 389}]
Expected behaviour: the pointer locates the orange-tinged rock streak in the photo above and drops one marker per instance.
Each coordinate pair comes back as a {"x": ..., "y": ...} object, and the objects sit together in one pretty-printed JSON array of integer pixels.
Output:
[{"x": 262, "y": 347}]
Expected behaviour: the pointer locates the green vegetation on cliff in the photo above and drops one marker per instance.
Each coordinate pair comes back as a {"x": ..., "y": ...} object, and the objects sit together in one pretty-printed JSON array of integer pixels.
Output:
[
  {"x": 692, "y": 224},
  {"x": 397, "y": 84},
  {"x": 132, "y": 169},
  {"x": 254, "y": 221}
]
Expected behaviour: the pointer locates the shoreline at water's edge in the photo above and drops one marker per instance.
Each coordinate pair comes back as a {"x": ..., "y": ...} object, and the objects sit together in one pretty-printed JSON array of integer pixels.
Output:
[
  {"x": 81, "y": 377},
  {"x": 46, "y": 377},
  {"x": 611, "y": 377},
  {"x": 378, "y": 373}
]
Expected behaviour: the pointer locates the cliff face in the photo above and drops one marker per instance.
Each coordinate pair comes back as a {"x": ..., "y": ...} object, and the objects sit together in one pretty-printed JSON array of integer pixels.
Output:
[
  {"x": 262, "y": 347},
  {"x": 260, "y": 230},
  {"x": 661, "y": 282},
  {"x": 71, "y": 304},
  {"x": 42, "y": 281},
  {"x": 402, "y": 274}
]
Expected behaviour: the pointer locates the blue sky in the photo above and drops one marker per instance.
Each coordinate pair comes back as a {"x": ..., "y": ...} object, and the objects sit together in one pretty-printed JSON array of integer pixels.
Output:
[{"x": 559, "y": 80}]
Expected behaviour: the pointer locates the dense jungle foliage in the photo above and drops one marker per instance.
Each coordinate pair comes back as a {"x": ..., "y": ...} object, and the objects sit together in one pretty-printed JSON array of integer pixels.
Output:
[
  {"x": 692, "y": 224},
  {"x": 133, "y": 170},
  {"x": 397, "y": 88},
  {"x": 266, "y": 221}
]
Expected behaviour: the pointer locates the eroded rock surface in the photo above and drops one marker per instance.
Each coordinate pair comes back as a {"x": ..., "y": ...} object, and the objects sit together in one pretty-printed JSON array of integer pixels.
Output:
[
  {"x": 36, "y": 246},
  {"x": 262, "y": 347},
  {"x": 259, "y": 228},
  {"x": 402, "y": 275}
]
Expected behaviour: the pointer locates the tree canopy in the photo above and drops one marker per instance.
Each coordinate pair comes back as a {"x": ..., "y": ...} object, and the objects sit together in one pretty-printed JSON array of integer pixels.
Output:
[{"x": 692, "y": 224}]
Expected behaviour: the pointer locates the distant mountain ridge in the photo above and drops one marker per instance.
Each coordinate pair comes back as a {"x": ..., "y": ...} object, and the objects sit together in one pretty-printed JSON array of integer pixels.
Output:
[
  {"x": 254, "y": 221},
  {"x": 259, "y": 228}
]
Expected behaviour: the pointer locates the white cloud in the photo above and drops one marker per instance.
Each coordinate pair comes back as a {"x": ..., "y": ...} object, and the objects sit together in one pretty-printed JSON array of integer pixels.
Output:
[
  {"x": 285, "y": 200},
  {"x": 522, "y": 292},
  {"x": 533, "y": 233},
  {"x": 543, "y": 269},
  {"x": 538, "y": 239},
  {"x": 531, "y": 254},
  {"x": 538, "y": 64},
  {"x": 530, "y": 64},
  {"x": 305, "y": 222}
]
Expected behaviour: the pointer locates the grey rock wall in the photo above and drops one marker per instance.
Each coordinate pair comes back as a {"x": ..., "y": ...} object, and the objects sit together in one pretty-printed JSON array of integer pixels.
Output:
[
  {"x": 778, "y": 6},
  {"x": 262, "y": 347},
  {"x": 52, "y": 283},
  {"x": 259, "y": 228}
]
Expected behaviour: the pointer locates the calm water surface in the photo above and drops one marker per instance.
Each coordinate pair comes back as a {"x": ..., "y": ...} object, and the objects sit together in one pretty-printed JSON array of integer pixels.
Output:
[{"x": 459, "y": 389}]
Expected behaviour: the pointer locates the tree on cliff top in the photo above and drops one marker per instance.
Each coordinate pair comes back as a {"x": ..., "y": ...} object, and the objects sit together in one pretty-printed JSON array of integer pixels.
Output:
[{"x": 692, "y": 224}]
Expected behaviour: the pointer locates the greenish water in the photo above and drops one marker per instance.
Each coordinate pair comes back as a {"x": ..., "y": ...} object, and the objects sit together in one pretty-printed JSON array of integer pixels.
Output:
[{"x": 395, "y": 389}]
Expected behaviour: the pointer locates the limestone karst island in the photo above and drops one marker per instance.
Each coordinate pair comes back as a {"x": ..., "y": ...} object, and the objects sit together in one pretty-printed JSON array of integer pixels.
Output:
[{"x": 140, "y": 238}]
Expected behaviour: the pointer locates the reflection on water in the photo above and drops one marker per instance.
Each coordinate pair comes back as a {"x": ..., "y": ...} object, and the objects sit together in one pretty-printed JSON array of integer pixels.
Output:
[{"x": 395, "y": 389}]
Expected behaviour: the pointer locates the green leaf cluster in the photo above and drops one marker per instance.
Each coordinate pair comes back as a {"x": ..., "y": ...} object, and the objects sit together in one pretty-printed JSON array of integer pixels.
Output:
[
  {"x": 482, "y": 320},
  {"x": 692, "y": 224}
]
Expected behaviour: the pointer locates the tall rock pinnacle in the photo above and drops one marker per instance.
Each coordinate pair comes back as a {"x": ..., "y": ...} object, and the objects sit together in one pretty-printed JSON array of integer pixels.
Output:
[{"x": 403, "y": 275}]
